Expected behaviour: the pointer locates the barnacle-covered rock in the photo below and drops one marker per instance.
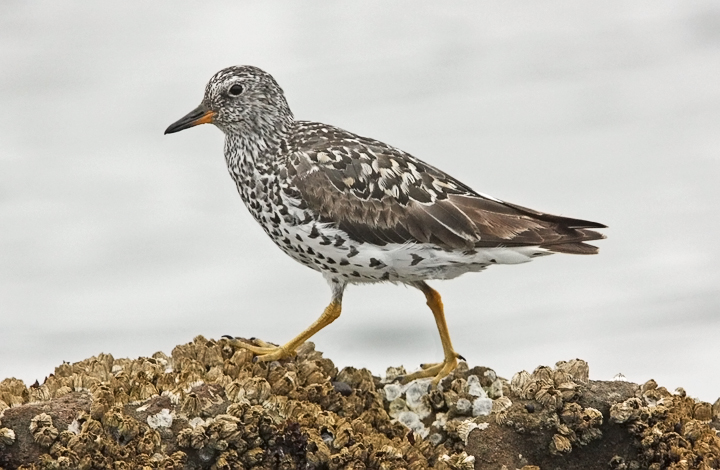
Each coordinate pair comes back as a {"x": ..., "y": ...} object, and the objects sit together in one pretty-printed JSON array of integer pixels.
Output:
[
  {"x": 208, "y": 405},
  {"x": 672, "y": 430}
]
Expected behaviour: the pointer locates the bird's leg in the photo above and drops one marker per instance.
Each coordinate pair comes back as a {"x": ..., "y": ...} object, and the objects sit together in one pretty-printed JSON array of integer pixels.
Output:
[
  {"x": 440, "y": 370},
  {"x": 267, "y": 352}
]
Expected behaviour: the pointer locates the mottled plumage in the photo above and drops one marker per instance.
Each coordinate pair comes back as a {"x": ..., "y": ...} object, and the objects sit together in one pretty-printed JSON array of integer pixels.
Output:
[{"x": 359, "y": 210}]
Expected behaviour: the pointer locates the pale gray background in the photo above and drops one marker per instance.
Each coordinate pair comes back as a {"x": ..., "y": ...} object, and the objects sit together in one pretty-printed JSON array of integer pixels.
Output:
[{"x": 116, "y": 238}]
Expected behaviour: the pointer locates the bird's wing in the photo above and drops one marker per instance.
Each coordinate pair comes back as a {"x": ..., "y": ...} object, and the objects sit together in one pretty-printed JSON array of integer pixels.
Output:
[{"x": 379, "y": 194}]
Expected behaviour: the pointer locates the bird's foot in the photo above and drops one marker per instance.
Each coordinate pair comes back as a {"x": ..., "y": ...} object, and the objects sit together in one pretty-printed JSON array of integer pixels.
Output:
[
  {"x": 264, "y": 352},
  {"x": 437, "y": 371}
]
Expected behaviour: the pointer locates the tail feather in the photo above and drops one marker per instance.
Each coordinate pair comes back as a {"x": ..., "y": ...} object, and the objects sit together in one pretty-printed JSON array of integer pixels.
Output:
[{"x": 573, "y": 248}]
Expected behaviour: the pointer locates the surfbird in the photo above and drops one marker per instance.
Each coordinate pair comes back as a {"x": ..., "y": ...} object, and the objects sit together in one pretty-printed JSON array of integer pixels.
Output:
[{"x": 360, "y": 211}]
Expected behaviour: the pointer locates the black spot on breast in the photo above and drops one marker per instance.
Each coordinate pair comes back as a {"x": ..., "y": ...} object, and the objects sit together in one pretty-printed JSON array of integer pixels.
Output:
[
  {"x": 355, "y": 273},
  {"x": 385, "y": 276},
  {"x": 493, "y": 260},
  {"x": 416, "y": 259},
  {"x": 344, "y": 262},
  {"x": 298, "y": 237},
  {"x": 353, "y": 252},
  {"x": 310, "y": 251},
  {"x": 376, "y": 263},
  {"x": 330, "y": 261},
  {"x": 339, "y": 240},
  {"x": 314, "y": 233},
  {"x": 325, "y": 240}
]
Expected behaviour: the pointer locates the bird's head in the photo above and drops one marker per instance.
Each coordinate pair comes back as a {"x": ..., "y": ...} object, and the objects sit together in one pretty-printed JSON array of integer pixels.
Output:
[{"x": 239, "y": 100}]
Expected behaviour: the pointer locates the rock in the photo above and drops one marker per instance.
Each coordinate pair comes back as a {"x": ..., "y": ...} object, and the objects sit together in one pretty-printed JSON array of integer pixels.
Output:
[{"x": 208, "y": 406}]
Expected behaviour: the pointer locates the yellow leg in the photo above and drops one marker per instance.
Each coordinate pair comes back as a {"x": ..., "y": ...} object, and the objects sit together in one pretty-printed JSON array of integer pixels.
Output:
[
  {"x": 267, "y": 352},
  {"x": 440, "y": 370}
]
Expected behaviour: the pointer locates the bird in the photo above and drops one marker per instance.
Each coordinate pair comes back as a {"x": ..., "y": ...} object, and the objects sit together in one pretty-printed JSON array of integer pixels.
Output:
[{"x": 361, "y": 211}]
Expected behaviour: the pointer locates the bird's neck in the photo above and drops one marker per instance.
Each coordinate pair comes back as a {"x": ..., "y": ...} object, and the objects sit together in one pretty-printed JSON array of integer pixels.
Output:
[{"x": 256, "y": 148}]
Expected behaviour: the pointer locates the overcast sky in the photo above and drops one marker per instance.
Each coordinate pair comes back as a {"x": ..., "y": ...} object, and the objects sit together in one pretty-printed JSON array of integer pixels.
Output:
[{"x": 115, "y": 238}]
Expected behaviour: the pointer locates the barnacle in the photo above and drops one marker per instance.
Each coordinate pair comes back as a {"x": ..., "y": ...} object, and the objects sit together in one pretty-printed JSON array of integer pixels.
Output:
[
  {"x": 548, "y": 396},
  {"x": 702, "y": 411},
  {"x": 560, "y": 444},
  {"x": 254, "y": 390},
  {"x": 501, "y": 404},
  {"x": 7, "y": 437},
  {"x": 416, "y": 397},
  {"x": 580, "y": 425},
  {"x": 461, "y": 461},
  {"x": 569, "y": 391},
  {"x": 626, "y": 410},
  {"x": 39, "y": 392},
  {"x": 311, "y": 372},
  {"x": 62, "y": 391},
  {"x": 42, "y": 430},
  {"x": 360, "y": 379},
  {"x": 149, "y": 442},
  {"x": 162, "y": 419},
  {"x": 394, "y": 373},
  {"x": 576, "y": 368},
  {"x": 545, "y": 375},
  {"x": 464, "y": 429},
  {"x": 253, "y": 456},
  {"x": 519, "y": 383},
  {"x": 13, "y": 393}
]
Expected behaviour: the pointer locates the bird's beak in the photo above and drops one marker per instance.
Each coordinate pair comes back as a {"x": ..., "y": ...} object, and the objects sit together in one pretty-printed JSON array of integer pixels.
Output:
[{"x": 200, "y": 115}]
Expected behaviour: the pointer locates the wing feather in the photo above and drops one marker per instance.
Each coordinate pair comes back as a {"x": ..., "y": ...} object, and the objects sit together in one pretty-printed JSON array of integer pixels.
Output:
[{"x": 379, "y": 194}]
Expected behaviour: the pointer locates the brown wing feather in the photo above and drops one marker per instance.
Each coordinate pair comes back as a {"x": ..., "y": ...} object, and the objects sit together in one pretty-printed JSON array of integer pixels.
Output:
[{"x": 379, "y": 194}]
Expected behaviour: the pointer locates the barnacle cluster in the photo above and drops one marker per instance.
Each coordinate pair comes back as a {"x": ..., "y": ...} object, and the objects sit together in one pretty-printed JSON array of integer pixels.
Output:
[
  {"x": 209, "y": 405},
  {"x": 557, "y": 391},
  {"x": 552, "y": 387},
  {"x": 446, "y": 415},
  {"x": 672, "y": 429}
]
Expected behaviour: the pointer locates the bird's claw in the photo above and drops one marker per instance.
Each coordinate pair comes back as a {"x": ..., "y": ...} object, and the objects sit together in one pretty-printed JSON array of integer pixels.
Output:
[
  {"x": 264, "y": 352},
  {"x": 437, "y": 371}
]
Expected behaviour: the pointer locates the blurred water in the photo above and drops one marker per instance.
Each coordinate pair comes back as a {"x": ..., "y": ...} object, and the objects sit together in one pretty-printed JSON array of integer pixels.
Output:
[{"x": 116, "y": 238}]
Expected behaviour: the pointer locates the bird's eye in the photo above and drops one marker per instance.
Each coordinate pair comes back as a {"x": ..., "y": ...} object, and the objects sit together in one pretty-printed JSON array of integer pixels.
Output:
[{"x": 235, "y": 90}]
